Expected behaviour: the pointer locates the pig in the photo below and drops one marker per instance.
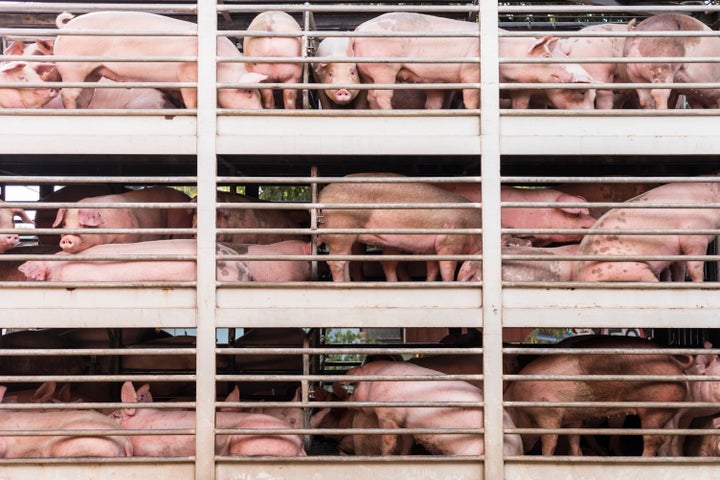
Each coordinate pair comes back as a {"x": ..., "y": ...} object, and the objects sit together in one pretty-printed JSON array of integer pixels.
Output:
[
  {"x": 34, "y": 96},
  {"x": 597, "y": 391},
  {"x": 401, "y": 417},
  {"x": 45, "y": 217},
  {"x": 442, "y": 244},
  {"x": 257, "y": 218},
  {"x": 277, "y": 270},
  {"x": 331, "y": 72},
  {"x": 65, "y": 269},
  {"x": 47, "y": 392},
  {"x": 679, "y": 72},
  {"x": 7, "y": 221},
  {"x": 84, "y": 444},
  {"x": 699, "y": 391},
  {"x": 184, "y": 445},
  {"x": 576, "y": 217},
  {"x": 123, "y": 98},
  {"x": 9, "y": 268},
  {"x": 93, "y": 217},
  {"x": 293, "y": 416},
  {"x": 388, "y": 73},
  {"x": 598, "y": 270},
  {"x": 704, "y": 445},
  {"x": 119, "y": 46},
  {"x": 600, "y": 47},
  {"x": 604, "y": 192},
  {"x": 516, "y": 270},
  {"x": 276, "y": 46}
]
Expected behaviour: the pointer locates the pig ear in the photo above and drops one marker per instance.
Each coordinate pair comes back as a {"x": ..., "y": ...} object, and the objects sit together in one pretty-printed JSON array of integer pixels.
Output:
[
  {"x": 23, "y": 215},
  {"x": 8, "y": 67},
  {"x": 15, "y": 48},
  {"x": 90, "y": 217},
  {"x": 46, "y": 47},
  {"x": 64, "y": 394},
  {"x": 541, "y": 45},
  {"x": 44, "y": 392},
  {"x": 320, "y": 67},
  {"x": 234, "y": 395},
  {"x": 128, "y": 394},
  {"x": 59, "y": 217},
  {"x": 143, "y": 394},
  {"x": 3, "y": 389},
  {"x": 574, "y": 210},
  {"x": 48, "y": 72},
  {"x": 252, "y": 77}
]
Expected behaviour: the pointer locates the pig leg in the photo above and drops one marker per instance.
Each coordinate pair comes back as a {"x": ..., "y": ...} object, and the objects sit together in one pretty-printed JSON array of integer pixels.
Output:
[
  {"x": 434, "y": 99},
  {"x": 268, "y": 98},
  {"x": 289, "y": 98},
  {"x": 340, "y": 245},
  {"x": 382, "y": 99},
  {"x": 187, "y": 72},
  {"x": 471, "y": 98},
  {"x": 694, "y": 246},
  {"x": 661, "y": 98}
]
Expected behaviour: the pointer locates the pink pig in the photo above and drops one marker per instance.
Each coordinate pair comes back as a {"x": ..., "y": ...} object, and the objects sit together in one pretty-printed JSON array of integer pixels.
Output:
[
  {"x": 7, "y": 220},
  {"x": 257, "y": 218},
  {"x": 605, "y": 47},
  {"x": 93, "y": 217},
  {"x": 184, "y": 445},
  {"x": 171, "y": 46},
  {"x": 615, "y": 243},
  {"x": 331, "y": 73},
  {"x": 408, "y": 47},
  {"x": 617, "y": 390},
  {"x": 678, "y": 72},
  {"x": 94, "y": 444},
  {"x": 275, "y": 46},
  {"x": 444, "y": 243},
  {"x": 516, "y": 270},
  {"x": 127, "y": 98},
  {"x": 401, "y": 417},
  {"x": 21, "y": 72},
  {"x": 576, "y": 217},
  {"x": 66, "y": 269},
  {"x": 276, "y": 270},
  {"x": 698, "y": 391}
]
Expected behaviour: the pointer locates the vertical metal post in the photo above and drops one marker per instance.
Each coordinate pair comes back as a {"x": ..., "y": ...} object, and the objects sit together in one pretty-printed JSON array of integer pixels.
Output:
[
  {"x": 492, "y": 276},
  {"x": 206, "y": 175}
]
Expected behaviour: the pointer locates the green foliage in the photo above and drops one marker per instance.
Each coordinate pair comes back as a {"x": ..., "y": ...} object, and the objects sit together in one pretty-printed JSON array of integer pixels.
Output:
[
  {"x": 342, "y": 337},
  {"x": 286, "y": 193}
]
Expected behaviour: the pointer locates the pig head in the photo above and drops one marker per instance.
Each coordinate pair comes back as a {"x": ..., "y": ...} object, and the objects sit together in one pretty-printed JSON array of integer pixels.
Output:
[{"x": 7, "y": 221}]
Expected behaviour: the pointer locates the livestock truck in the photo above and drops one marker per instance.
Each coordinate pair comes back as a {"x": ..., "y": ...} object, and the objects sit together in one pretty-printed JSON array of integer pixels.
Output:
[{"x": 475, "y": 145}]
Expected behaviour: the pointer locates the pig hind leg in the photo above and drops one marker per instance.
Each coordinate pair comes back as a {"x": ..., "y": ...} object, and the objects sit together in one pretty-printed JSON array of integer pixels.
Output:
[
  {"x": 340, "y": 245},
  {"x": 382, "y": 99}
]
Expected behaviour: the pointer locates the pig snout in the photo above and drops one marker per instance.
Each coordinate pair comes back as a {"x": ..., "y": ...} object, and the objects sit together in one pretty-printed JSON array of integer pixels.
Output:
[
  {"x": 342, "y": 96},
  {"x": 70, "y": 243},
  {"x": 8, "y": 241}
]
